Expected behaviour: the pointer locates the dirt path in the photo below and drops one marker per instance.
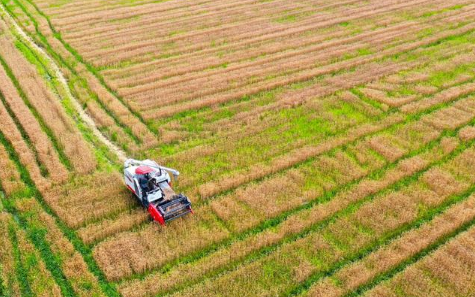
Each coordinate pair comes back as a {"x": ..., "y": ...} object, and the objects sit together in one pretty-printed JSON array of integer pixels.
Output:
[{"x": 60, "y": 77}]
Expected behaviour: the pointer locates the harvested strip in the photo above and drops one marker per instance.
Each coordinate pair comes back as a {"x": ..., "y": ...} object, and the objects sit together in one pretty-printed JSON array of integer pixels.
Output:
[
  {"x": 109, "y": 227},
  {"x": 136, "y": 252},
  {"x": 90, "y": 198}
]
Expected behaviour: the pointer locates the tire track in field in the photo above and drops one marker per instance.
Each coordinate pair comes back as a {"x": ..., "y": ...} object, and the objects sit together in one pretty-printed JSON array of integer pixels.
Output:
[{"x": 60, "y": 77}]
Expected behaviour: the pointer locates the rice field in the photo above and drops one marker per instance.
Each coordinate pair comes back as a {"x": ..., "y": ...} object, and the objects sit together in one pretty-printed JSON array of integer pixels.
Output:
[{"x": 328, "y": 148}]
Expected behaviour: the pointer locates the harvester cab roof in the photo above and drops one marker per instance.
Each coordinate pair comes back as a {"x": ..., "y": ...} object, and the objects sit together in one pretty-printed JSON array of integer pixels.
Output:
[{"x": 151, "y": 184}]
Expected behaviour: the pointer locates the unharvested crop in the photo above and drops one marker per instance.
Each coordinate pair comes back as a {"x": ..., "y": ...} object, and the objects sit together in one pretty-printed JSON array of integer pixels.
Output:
[
  {"x": 43, "y": 100},
  {"x": 409, "y": 245},
  {"x": 452, "y": 264},
  {"x": 328, "y": 147}
]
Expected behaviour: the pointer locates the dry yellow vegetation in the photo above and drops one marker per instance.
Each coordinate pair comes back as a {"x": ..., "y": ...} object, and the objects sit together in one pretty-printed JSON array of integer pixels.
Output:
[{"x": 328, "y": 147}]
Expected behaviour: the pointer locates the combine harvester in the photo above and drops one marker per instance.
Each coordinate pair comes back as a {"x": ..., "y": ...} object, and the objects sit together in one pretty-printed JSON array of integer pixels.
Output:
[{"x": 151, "y": 184}]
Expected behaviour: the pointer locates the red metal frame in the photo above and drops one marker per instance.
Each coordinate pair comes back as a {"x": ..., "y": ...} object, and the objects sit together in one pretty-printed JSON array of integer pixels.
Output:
[
  {"x": 131, "y": 189},
  {"x": 156, "y": 214},
  {"x": 143, "y": 169}
]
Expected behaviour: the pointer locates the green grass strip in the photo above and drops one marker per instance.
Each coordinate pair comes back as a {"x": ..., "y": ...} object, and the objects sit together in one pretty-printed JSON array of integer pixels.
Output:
[
  {"x": 39, "y": 240},
  {"x": 21, "y": 274},
  {"x": 3, "y": 289}
]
